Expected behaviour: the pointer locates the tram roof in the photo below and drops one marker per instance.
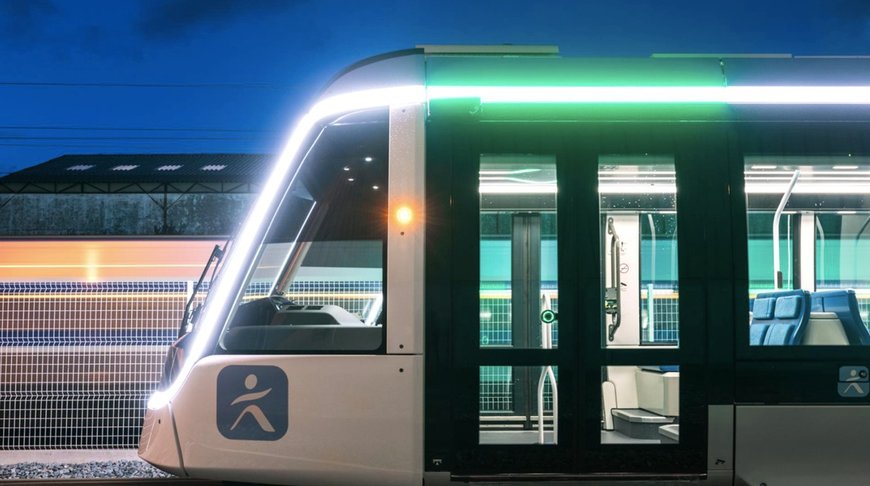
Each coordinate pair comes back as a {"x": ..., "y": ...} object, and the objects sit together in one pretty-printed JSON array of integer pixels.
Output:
[
  {"x": 481, "y": 71},
  {"x": 446, "y": 69}
]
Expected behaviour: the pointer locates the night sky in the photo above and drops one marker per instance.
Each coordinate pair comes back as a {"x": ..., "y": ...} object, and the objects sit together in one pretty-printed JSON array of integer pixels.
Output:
[{"x": 162, "y": 76}]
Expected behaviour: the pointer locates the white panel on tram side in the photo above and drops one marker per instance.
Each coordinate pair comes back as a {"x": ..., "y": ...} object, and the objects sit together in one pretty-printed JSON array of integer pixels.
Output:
[
  {"x": 720, "y": 440},
  {"x": 808, "y": 250},
  {"x": 349, "y": 419},
  {"x": 405, "y": 231},
  {"x": 627, "y": 226},
  {"x": 802, "y": 445}
]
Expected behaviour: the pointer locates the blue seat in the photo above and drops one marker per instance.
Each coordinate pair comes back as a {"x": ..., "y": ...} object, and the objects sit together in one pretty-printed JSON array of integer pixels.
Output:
[
  {"x": 844, "y": 303},
  {"x": 779, "y": 318},
  {"x": 662, "y": 368}
]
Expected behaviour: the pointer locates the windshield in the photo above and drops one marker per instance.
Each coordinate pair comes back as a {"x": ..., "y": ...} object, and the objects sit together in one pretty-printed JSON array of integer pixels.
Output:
[{"x": 318, "y": 280}]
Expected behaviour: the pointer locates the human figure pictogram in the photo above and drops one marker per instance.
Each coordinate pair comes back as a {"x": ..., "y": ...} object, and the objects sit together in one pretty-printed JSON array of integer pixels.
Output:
[
  {"x": 253, "y": 409},
  {"x": 853, "y": 380}
]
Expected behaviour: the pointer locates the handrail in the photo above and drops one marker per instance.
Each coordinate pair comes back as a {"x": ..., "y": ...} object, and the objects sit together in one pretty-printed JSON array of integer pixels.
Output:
[
  {"x": 615, "y": 280},
  {"x": 650, "y": 313},
  {"x": 547, "y": 373},
  {"x": 777, "y": 272}
]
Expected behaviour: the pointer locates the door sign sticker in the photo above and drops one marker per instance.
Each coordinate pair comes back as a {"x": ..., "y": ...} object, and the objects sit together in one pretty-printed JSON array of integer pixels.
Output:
[
  {"x": 854, "y": 382},
  {"x": 252, "y": 402}
]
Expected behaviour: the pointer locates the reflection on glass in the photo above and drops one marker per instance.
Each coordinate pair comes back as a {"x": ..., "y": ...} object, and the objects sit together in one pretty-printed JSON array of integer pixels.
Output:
[
  {"x": 809, "y": 266},
  {"x": 640, "y": 404},
  {"x": 518, "y": 257},
  {"x": 318, "y": 280},
  {"x": 637, "y": 200},
  {"x": 519, "y": 405}
]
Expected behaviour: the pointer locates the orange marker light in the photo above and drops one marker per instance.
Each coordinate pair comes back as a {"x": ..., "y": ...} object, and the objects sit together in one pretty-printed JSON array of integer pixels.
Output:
[{"x": 404, "y": 215}]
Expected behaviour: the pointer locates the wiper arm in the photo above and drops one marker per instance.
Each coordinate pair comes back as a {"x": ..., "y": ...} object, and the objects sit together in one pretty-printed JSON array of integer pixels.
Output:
[{"x": 215, "y": 258}]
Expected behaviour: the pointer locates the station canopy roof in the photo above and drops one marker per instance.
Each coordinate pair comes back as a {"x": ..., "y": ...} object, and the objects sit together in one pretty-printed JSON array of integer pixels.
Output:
[{"x": 142, "y": 173}]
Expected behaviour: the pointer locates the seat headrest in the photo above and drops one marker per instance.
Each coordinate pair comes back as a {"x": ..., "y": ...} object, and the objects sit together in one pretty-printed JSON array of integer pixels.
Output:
[
  {"x": 763, "y": 308},
  {"x": 788, "y": 307},
  {"x": 844, "y": 303}
]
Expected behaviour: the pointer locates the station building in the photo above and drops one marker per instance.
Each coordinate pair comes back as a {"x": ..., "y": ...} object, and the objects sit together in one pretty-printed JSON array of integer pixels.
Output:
[
  {"x": 131, "y": 195},
  {"x": 99, "y": 256}
]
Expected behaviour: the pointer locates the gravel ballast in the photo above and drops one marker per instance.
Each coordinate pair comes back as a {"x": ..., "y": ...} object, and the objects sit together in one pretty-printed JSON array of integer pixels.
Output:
[{"x": 85, "y": 470}]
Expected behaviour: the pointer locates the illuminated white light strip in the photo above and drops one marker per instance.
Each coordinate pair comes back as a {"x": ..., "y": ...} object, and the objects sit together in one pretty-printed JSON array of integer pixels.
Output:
[
  {"x": 238, "y": 258},
  {"x": 508, "y": 172},
  {"x": 518, "y": 189},
  {"x": 808, "y": 188},
  {"x": 764, "y": 95},
  {"x": 235, "y": 265}
]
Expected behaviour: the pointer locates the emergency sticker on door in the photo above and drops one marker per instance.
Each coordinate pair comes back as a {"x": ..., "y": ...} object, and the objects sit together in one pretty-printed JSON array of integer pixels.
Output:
[{"x": 252, "y": 402}]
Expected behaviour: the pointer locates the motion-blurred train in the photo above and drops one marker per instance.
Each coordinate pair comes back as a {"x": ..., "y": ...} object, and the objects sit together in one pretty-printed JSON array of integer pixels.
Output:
[{"x": 495, "y": 264}]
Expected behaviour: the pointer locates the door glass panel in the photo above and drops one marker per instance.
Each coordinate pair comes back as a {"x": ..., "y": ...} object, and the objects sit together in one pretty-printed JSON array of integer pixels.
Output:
[
  {"x": 637, "y": 201},
  {"x": 518, "y": 259},
  {"x": 808, "y": 229},
  {"x": 517, "y": 405},
  {"x": 640, "y": 404}
]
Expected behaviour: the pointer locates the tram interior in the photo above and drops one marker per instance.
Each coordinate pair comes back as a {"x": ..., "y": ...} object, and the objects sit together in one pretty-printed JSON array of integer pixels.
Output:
[
  {"x": 808, "y": 214},
  {"x": 809, "y": 277}
]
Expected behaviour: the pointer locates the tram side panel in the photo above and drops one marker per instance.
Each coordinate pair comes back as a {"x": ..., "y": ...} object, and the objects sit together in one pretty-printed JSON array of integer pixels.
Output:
[{"x": 350, "y": 420}]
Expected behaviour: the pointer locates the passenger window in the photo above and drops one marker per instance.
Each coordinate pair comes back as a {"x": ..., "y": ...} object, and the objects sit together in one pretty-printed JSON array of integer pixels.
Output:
[
  {"x": 319, "y": 281},
  {"x": 518, "y": 257},
  {"x": 808, "y": 250},
  {"x": 640, "y": 292}
]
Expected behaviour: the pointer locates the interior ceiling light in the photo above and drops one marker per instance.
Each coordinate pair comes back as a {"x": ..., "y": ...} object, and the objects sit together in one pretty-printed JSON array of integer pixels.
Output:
[{"x": 508, "y": 172}]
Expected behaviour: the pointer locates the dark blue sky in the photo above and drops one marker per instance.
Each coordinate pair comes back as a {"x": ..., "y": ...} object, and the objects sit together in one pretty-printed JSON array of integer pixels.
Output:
[{"x": 231, "y": 76}]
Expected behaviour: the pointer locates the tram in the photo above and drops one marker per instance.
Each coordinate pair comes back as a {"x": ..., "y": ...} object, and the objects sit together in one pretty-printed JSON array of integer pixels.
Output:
[{"x": 496, "y": 264}]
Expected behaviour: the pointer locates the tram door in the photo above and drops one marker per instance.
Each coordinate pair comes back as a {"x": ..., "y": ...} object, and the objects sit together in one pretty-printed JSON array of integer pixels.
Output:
[{"x": 561, "y": 349}]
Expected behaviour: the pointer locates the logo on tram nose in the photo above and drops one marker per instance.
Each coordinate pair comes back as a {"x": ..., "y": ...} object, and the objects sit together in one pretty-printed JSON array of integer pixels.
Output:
[{"x": 252, "y": 402}]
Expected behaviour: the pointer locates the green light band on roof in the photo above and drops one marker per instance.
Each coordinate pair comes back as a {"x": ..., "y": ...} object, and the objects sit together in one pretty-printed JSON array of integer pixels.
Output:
[{"x": 735, "y": 95}]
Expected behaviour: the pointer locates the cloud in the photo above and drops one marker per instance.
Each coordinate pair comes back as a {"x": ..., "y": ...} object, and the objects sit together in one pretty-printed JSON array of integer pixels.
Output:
[
  {"x": 172, "y": 19},
  {"x": 24, "y": 20}
]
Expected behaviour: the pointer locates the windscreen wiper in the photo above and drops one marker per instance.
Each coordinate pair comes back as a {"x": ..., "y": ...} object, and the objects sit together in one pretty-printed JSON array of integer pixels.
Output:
[{"x": 215, "y": 258}]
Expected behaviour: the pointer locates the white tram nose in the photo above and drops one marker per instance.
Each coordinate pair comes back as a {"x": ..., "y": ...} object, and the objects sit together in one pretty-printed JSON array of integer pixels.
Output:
[{"x": 158, "y": 444}]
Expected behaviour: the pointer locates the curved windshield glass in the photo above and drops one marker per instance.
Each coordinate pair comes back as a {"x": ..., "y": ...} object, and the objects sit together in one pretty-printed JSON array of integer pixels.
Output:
[{"x": 318, "y": 281}]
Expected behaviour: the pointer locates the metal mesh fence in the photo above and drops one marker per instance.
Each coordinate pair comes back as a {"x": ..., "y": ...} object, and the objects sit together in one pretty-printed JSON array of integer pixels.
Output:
[
  {"x": 496, "y": 393},
  {"x": 79, "y": 360},
  {"x": 663, "y": 327},
  {"x": 497, "y": 388}
]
